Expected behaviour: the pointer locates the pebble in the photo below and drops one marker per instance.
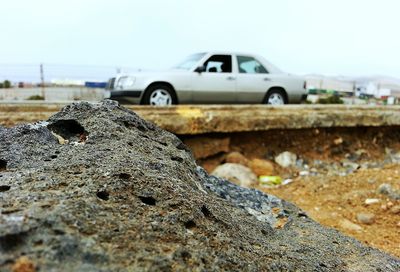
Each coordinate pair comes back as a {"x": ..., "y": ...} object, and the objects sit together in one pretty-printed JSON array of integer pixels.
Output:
[
  {"x": 385, "y": 189},
  {"x": 370, "y": 201},
  {"x": 347, "y": 224},
  {"x": 338, "y": 141},
  {"x": 304, "y": 173},
  {"x": 395, "y": 209},
  {"x": 237, "y": 157},
  {"x": 236, "y": 173},
  {"x": 366, "y": 218},
  {"x": 262, "y": 167},
  {"x": 286, "y": 159}
]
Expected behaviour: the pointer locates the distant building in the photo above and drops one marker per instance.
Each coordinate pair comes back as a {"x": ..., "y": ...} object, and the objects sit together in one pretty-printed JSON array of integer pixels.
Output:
[
  {"x": 330, "y": 83},
  {"x": 379, "y": 89}
]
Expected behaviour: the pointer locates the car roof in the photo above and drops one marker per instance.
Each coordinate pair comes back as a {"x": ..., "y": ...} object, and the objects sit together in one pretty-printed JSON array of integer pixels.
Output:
[{"x": 217, "y": 52}]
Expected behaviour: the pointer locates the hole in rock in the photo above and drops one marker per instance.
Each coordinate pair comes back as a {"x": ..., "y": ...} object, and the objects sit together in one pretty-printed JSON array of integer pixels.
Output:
[
  {"x": 124, "y": 176},
  {"x": 206, "y": 211},
  {"x": 68, "y": 129},
  {"x": 182, "y": 146},
  {"x": 186, "y": 255},
  {"x": 53, "y": 157},
  {"x": 138, "y": 125},
  {"x": 178, "y": 159},
  {"x": 148, "y": 200},
  {"x": 4, "y": 188},
  {"x": 3, "y": 165},
  {"x": 190, "y": 224},
  {"x": 11, "y": 241},
  {"x": 103, "y": 195}
]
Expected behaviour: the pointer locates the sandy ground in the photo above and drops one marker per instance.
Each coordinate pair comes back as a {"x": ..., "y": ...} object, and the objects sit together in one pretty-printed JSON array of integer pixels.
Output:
[
  {"x": 333, "y": 200},
  {"x": 330, "y": 198}
]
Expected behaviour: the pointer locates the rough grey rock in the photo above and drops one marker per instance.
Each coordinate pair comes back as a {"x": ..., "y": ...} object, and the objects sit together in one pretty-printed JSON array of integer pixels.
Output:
[{"x": 123, "y": 195}]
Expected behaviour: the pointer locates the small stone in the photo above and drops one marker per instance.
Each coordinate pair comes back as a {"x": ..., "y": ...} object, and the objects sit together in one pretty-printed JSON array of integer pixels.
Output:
[
  {"x": 370, "y": 201},
  {"x": 366, "y": 218},
  {"x": 338, "y": 141},
  {"x": 385, "y": 189},
  {"x": 236, "y": 173},
  {"x": 304, "y": 173},
  {"x": 351, "y": 165},
  {"x": 237, "y": 157},
  {"x": 262, "y": 167},
  {"x": 286, "y": 159},
  {"x": 395, "y": 209},
  {"x": 348, "y": 225}
]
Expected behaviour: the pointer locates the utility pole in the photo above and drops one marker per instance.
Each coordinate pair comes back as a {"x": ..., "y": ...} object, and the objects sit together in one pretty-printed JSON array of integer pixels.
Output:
[{"x": 42, "y": 78}]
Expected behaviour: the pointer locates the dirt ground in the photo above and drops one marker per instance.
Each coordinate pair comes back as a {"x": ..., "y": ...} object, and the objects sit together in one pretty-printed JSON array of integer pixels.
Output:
[
  {"x": 328, "y": 198},
  {"x": 331, "y": 200}
]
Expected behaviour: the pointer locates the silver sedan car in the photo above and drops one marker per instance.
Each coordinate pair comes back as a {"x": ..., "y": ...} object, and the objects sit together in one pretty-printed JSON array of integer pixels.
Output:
[{"x": 210, "y": 78}]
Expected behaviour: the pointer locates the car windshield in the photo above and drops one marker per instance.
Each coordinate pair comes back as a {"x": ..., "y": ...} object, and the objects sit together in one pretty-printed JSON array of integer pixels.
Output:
[{"x": 190, "y": 61}]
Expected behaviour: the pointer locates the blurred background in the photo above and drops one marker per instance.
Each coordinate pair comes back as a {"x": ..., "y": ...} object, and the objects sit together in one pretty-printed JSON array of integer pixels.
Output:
[{"x": 339, "y": 46}]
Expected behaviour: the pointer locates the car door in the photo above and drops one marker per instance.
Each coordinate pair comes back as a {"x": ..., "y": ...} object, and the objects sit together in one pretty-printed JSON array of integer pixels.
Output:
[
  {"x": 253, "y": 80},
  {"x": 216, "y": 84}
]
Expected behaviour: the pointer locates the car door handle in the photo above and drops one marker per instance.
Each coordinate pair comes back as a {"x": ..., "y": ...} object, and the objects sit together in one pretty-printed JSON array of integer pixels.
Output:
[
  {"x": 267, "y": 79},
  {"x": 231, "y": 78}
]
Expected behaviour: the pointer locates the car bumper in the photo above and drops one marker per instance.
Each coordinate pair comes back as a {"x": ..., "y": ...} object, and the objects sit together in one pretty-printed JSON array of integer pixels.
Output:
[{"x": 126, "y": 97}]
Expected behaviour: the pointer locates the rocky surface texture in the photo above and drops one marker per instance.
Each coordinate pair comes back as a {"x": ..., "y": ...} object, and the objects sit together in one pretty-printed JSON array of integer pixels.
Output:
[{"x": 96, "y": 188}]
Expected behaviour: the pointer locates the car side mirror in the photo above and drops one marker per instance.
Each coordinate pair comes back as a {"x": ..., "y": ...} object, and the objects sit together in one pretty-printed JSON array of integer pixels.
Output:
[{"x": 200, "y": 69}]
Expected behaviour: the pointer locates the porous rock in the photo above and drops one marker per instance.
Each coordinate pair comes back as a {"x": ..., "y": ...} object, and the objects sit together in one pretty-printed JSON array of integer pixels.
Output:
[{"x": 123, "y": 195}]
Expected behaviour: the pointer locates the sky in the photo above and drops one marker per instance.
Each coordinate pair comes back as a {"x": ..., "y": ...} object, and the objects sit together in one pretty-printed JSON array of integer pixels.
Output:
[{"x": 74, "y": 37}]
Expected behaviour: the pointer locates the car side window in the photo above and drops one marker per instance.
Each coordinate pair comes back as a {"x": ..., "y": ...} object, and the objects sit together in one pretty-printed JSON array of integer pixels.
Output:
[
  {"x": 219, "y": 64},
  {"x": 249, "y": 65}
]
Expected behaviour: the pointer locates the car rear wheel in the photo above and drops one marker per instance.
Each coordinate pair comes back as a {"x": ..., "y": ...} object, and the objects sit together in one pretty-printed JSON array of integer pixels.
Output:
[
  {"x": 276, "y": 97},
  {"x": 159, "y": 95}
]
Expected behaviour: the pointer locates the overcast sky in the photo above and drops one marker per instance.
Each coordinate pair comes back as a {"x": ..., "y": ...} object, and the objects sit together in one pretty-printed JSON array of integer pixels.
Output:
[{"x": 333, "y": 37}]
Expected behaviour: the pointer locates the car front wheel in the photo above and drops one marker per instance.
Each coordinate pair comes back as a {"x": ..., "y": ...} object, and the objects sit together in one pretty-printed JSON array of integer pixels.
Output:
[
  {"x": 275, "y": 97},
  {"x": 159, "y": 95}
]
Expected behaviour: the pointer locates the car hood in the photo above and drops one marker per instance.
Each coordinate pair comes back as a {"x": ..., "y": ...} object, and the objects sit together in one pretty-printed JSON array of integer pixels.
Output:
[{"x": 156, "y": 72}]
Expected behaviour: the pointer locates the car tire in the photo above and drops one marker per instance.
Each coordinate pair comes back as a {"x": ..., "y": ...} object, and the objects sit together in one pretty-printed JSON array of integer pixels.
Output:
[
  {"x": 159, "y": 95},
  {"x": 276, "y": 97}
]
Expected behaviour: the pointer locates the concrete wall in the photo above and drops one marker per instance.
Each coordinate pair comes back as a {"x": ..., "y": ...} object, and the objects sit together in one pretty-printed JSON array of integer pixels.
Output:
[
  {"x": 330, "y": 84},
  {"x": 56, "y": 94}
]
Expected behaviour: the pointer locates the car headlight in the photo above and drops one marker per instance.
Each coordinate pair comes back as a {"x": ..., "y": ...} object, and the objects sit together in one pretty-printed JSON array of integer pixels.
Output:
[{"x": 125, "y": 82}]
